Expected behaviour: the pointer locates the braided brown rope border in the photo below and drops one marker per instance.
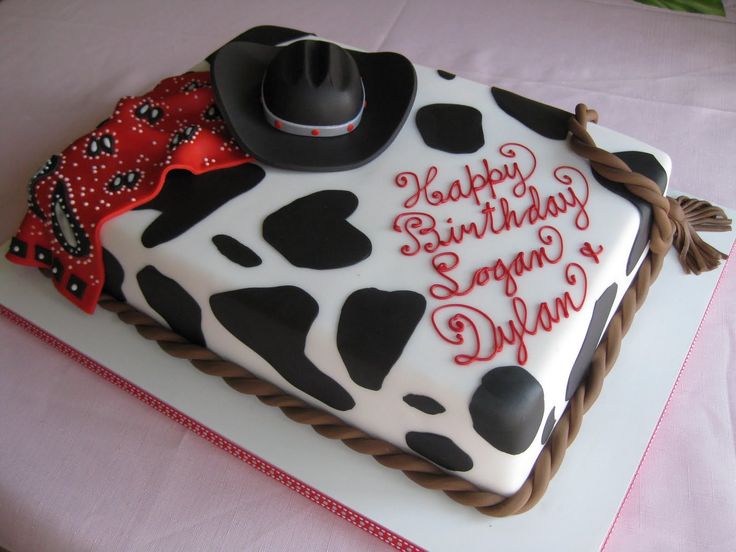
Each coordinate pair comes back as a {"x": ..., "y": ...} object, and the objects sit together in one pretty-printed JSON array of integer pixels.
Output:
[{"x": 421, "y": 471}]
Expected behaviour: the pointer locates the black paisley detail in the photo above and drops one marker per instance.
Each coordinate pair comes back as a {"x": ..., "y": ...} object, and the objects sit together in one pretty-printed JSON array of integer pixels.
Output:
[
  {"x": 149, "y": 112},
  {"x": 101, "y": 144},
  {"x": 67, "y": 229},
  {"x": 48, "y": 167},
  {"x": 124, "y": 180},
  {"x": 194, "y": 85},
  {"x": 212, "y": 113},
  {"x": 183, "y": 135}
]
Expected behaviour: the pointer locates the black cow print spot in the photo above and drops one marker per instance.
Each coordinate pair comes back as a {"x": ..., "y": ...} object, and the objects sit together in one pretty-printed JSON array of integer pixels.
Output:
[
  {"x": 268, "y": 35},
  {"x": 439, "y": 449},
  {"x": 543, "y": 119},
  {"x": 274, "y": 322},
  {"x": 601, "y": 310},
  {"x": 180, "y": 310},
  {"x": 186, "y": 199},
  {"x": 149, "y": 112},
  {"x": 235, "y": 251},
  {"x": 452, "y": 128},
  {"x": 445, "y": 74},
  {"x": 374, "y": 328},
  {"x": 114, "y": 275},
  {"x": 66, "y": 227},
  {"x": 312, "y": 231},
  {"x": 549, "y": 425},
  {"x": 424, "y": 403},
  {"x": 123, "y": 180},
  {"x": 646, "y": 164},
  {"x": 98, "y": 145},
  {"x": 507, "y": 408}
]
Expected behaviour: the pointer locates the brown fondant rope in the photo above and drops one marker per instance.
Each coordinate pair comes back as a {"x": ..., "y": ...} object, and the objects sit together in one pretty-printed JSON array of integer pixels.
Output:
[{"x": 695, "y": 216}]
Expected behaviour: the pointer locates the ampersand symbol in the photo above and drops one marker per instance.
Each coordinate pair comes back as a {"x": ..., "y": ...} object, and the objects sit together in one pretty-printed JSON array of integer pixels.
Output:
[{"x": 588, "y": 251}]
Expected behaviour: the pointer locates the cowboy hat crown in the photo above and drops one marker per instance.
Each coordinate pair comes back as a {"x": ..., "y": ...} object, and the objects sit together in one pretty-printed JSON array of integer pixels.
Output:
[{"x": 313, "y": 84}]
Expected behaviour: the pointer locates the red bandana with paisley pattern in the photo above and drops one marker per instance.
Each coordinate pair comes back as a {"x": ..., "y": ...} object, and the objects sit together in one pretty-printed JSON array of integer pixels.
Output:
[{"x": 121, "y": 165}]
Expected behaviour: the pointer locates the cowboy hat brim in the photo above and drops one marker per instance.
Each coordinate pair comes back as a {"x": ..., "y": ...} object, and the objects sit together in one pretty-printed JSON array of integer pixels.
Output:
[{"x": 389, "y": 81}]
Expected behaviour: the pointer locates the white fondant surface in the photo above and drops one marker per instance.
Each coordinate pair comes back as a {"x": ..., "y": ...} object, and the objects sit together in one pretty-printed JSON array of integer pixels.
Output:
[{"x": 426, "y": 365}]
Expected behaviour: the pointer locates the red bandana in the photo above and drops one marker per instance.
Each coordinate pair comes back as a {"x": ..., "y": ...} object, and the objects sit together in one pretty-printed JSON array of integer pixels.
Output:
[{"x": 122, "y": 164}]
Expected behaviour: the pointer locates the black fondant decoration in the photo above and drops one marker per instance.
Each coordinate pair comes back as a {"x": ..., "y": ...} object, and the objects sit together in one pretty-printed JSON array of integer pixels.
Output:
[
  {"x": 601, "y": 310},
  {"x": 507, "y": 408},
  {"x": 328, "y": 90},
  {"x": 549, "y": 425},
  {"x": 453, "y": 128},
  {"x": 268, "y": 35},
  {"x": 18, "y": 248},
  {"x": 76, "y": 286},
  {"x": 194, "y": 85},
  {"x": 57, "y": 269},
  {"x": 98, "y": 145},
  {"x": 42, "y": 255},
  {"x": 424, "y": 403},
  {"x": 445, "y": 74},
  {"x": 149, "y": 113},
  {"x": 114, "y": 275},
  {"x": 439, "y": 449},
  {"x": 69, "y": 233},
  {"x": 123, "y": 180},
  {"x": 183, "y": 135},
  {"x": 646, "y": 164},
  {"x": 543, "y": 119},
  {"x": 312, "y": 231},
  {"x": 389, "y": 81},
  {"x": 235, "y": 251},
  {"x": 186, "y": 199},
  {"x": 48, "y": 167},
  {"x": 274, "y": 322},
  {"x": 374, "y": 328},
  {"x": 211, "y": 113},
  {"x": 180, "y": 310}
]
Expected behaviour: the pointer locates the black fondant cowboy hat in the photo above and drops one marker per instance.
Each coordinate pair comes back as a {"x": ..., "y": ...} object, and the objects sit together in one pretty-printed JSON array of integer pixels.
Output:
[{"x": 311, "y": 105}]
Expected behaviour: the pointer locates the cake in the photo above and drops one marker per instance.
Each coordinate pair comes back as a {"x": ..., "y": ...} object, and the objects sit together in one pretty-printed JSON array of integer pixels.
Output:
[{"x": 429, "y": 260}]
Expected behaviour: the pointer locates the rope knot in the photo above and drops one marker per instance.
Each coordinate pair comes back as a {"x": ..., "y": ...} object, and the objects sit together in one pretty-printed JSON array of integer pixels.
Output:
[{"x": 676, "y": 221}]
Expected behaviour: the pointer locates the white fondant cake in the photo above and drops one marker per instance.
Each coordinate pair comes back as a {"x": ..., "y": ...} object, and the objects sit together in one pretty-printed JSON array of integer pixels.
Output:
[
  {"x": 444, "y": 294},
  {"x": 453, "y": 326}
]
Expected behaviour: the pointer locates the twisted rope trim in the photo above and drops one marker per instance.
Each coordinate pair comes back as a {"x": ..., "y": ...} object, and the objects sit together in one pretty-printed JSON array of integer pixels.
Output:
[{"x": 421, "y": 471}]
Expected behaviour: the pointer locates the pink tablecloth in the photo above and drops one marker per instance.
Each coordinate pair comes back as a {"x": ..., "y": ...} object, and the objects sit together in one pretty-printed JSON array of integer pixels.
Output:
[{"x": 84, "y": 466}]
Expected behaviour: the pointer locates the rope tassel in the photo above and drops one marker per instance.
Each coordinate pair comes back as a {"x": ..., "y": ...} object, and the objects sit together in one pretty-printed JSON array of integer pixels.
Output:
[
  {"x": 676, "y": 221},
  {"x": 690, "y": 216}
]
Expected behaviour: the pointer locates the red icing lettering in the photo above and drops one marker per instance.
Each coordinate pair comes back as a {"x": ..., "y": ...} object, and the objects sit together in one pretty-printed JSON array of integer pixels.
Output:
[
  {"x": 505, "y": 197},
  {"x": 455, "y": 322},
  {"x": 473, "y": 185},
  {"x": 498, "y": 271}
]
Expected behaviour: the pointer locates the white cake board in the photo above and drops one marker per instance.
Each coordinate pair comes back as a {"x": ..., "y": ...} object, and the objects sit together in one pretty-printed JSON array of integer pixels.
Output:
[{"x": 581, "y": 502}]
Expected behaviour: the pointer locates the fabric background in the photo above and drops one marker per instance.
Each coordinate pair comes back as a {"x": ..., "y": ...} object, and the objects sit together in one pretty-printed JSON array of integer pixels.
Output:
[{"x": 84, "y": 466}]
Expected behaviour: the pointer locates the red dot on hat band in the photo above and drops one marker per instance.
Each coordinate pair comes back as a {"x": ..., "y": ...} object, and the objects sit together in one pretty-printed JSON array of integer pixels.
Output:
[
  {"x": 315, "y": 132},
  {"x": 278, "y": 124},
  {"x": 350, "y": 128}
]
